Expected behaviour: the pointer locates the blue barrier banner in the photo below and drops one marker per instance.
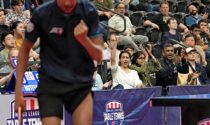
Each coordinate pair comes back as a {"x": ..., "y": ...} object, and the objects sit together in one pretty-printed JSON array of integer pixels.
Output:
[
  {"x": 30, "y": 81},
  {"x": 125, "y": 107},
  {"x": 173, "y": 115}
]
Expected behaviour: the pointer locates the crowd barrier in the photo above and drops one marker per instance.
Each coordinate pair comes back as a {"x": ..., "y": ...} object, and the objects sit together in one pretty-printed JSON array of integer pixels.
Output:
[
  {"x": 125, "y": 107},
  {"x": 112, "y": 107}
]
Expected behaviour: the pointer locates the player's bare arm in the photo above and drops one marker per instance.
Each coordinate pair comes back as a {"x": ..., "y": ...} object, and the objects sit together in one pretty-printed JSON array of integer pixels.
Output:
[{"x": 21, "y": 67}]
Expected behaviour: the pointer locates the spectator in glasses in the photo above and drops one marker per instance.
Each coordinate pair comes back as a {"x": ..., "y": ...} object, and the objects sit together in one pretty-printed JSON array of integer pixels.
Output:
[{"x": 145, "y": 64}]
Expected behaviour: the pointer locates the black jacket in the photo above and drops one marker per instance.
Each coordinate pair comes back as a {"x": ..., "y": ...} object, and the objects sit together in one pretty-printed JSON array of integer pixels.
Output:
[{"x": 168, "y": 73}]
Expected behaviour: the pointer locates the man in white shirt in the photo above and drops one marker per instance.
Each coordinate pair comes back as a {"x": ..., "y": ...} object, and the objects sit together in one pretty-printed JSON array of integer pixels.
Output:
[{"x": 127, "y": 37}]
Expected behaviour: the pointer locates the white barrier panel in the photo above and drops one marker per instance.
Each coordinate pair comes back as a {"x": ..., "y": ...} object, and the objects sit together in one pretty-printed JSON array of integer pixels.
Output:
[{"x": 8, "y": 116}]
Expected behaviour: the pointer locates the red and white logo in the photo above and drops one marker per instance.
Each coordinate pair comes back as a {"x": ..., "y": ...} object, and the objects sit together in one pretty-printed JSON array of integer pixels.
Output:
[
  {"x": 57, "y": 30},
  {"x": 30, "y": 116},
  {"x": 114, "y": 114}
]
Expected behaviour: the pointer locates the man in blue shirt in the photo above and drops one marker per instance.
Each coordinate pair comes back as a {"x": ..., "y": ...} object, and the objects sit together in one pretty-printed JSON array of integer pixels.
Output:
[
  {"x": 69, "y": 42},
  {"x": 193, "y": 17}
]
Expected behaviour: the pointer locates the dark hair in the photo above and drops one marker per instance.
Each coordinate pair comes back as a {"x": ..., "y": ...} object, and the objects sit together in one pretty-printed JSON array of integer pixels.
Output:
[
  {"x": 202, "y": 21},
  {"x": 135, "y": 57},
  {"x": 128, "y": 46},
  {"x": 1, "y": 9},
  {"x": 146, "y": 45},
  {"x": 111, "y": 34},
  {"x": 188, "y": 35},
  {"x": 195, "y": 26},
  {"x": 170, "y": 19},
  {"x": 118, "y": 4},
  {"x": 164, "y": 2},
  {"x": 14, "y": 25},
  {"x": 122, "y": 52},
  {"x": 16, "y": 2},
  {"x": 3, "y": 35},
  {"x": 167, "y": 45}
]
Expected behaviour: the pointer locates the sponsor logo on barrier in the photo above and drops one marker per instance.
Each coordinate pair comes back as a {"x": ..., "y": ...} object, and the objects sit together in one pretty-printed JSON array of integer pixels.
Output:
[
  {"x": 114, "y": 114},
  {"x": 204, "y": 122},
  {"x": 30, "y": 116}
]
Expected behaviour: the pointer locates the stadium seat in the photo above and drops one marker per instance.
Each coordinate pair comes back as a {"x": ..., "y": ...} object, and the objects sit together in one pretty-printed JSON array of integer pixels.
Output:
[
  {"x": 154, "y": 35},
  {"x": 137, "y": 18},
  {"x": 150, "y": 15},
  {"x": 179, "y": 16},
  {"x": 181, "y": 6},
  {"x": 157, "y": 50},
  {"x": 141, "y": 31}
]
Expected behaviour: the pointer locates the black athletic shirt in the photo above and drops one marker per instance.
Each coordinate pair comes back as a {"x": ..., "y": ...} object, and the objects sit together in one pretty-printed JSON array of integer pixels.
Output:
[{"x": 62, "y": 57}]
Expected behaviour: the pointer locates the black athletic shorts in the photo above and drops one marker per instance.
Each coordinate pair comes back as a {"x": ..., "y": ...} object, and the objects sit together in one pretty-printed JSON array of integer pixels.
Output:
[{"x": 54, "y": 94}]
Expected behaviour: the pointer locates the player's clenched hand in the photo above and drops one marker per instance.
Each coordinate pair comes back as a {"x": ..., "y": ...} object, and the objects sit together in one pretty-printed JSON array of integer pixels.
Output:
[{"x": 80, "y": 31}]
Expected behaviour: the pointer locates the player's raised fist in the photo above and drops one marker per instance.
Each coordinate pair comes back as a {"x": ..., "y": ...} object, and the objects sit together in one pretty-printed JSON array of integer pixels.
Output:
[{"x": 80, "y": 31}]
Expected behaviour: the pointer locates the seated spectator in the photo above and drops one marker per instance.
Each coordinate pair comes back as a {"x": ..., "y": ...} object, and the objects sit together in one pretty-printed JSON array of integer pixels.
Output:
[
  {"x": 125, "y": 2},
  {"x": 13, "y": 53},
  {"x": 127, "y": 37},
  {"x": 205, "y": 36},
  {"x": 129, "y": 49},
  {"x": 205, "y": 33},
  {"x": 159, "y": 21},
  {"x": 18, "y": 30},
  {"x": 123, "y": 77},
  {"x": 197, "y": 74},
  {"x": 8, "y": 42},
  {"x": 3, "y": 24},
  {"x": 145, "y": 64},
  {"x": 106, "y": 53},
  {"x": 98, "y": 83},
  {"x": 193, "y": 17},
  {"x": 17, "y": 13},
  {"x": 104, "y": 15},
  {"x": 173, "y": 32},
  {"x": 169, "y": 70},
  {"x": 199, "y": 41},
  {"x": 8, "y": 69},
  {"x": 196, "y": 32},
  {"x": 189, "y": 41}
]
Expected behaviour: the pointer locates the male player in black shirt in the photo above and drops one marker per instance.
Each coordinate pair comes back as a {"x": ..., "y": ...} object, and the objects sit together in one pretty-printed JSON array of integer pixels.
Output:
[{"x": 69, "y": 42}]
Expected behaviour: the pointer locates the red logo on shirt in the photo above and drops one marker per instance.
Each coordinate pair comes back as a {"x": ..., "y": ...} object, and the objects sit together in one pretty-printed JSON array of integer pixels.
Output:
[{"x": 57, "y": 30}]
